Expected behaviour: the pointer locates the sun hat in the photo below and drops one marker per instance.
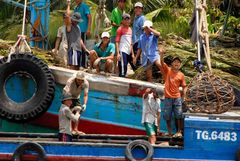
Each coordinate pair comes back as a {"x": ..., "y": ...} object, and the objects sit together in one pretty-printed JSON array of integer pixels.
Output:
[
  {"x": 76, "y": 17},
  {"x": 105, "y": 34},
  {"x": 126, "y": 15},
  {"x": 176, "y": 58},
  {"x": 80, "y": 75},
  {"x": 147, "y": 23},
  {"x": 138, "y": 4}
]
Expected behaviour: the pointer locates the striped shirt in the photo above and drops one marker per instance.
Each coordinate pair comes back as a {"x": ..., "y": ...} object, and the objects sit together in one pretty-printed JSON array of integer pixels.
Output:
[{"x": 124, "y": 37}]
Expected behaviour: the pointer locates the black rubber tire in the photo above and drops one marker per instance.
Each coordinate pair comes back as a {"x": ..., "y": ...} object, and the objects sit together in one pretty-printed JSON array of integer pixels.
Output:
[
  {"x": 238, "y": 155},
  {"x": 32, "y": 146},
  {"x": 45, "y": 87},
  {"x": 139, "y": 143}
]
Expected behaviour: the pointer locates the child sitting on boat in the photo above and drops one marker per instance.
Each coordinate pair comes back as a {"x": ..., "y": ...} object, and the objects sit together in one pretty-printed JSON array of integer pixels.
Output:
[
  {"x": 151, "y": 114},
  {"x": 101, "y": 57}
]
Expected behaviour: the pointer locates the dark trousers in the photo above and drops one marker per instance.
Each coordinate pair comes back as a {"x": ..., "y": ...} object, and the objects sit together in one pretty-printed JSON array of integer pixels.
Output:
[
  {"x": 64, "y": 137},
  {"x": 122, "y": 64},
  {"x": 134, "y": 67},
  {"x": 84, "y": 56}
]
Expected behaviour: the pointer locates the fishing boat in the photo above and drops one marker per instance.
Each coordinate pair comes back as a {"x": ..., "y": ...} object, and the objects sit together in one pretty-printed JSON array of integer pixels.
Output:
[
  {"x": 30, "y": 95},
  {"x": 112, "y": 123},
  {"x": 114, "y": 105},
  {"x": 206, "y": 137}
]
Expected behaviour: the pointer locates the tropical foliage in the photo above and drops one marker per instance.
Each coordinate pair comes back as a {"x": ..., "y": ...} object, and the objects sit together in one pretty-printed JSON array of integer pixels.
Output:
[{"x": 169, "y": 16}]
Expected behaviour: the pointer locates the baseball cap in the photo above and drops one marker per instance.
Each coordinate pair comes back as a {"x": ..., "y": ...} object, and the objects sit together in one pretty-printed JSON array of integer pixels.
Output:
[
  {"x": 105, "y": 34},
  {"x": 147, "y": 23},
  {"x": 138, "y": 4},
  {"x": 126, "y": 15},
  {"x": 176, "y": 58}
]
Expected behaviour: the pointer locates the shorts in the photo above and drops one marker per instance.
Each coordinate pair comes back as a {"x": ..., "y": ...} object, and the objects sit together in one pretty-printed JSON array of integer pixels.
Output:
[
  {"x": 172, "y": 105},
  {"x": 76, "y": 102},
  {"x": 151, "y": 129},
  {"x": 74, "y": 57},
  {"x": 148, "y": 65},
  {"x": 64, "y": 137},
  {"x": 101, "y": 65}
]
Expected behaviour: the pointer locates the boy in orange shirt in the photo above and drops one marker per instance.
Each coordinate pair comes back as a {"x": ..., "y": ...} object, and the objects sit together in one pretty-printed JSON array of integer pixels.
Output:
[{"x": 174, "y": 79}]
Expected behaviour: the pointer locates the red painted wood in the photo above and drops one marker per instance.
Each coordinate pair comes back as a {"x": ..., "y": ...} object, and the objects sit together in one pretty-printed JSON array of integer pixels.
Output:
[
  {"x": 90, "y": 127},
  {"x": 136, "y": 90},
  {"x": 8, "y": 157}
]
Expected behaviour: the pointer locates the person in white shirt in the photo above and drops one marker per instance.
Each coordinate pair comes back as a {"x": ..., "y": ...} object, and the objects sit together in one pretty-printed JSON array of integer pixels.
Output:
[{"x": 151, "y": 114}]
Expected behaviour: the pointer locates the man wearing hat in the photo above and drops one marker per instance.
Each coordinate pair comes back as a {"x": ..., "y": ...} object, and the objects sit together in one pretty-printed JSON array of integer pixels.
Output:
[
  {"x": 73, "y": 88},
  {"x": 148, "y": 47},
  {"x": 66, "y": 115},
  {"x": 75, "y": 43},
  {"x": 124, "y": 45},
  {"x": 137, "y": 29},
  {"x": 103, "y": 54},
  {"x": 174, "y": 79}
]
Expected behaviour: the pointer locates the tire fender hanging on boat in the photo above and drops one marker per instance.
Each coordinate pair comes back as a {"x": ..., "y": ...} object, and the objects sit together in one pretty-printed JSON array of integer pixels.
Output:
[
  {"x": 238, "y": 155},
  {"x": 31, "y": 146},
  {"x": 145, "y": 145},
  {"x": 33, "y": 67}
]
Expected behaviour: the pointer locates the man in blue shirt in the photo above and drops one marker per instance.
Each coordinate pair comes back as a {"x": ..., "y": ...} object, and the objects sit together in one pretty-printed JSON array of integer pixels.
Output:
[
  {"x": 101, "y": 57},
  {"x": 148, "y": 47},
  {"x": 85, "y": 25},
  {"x": 137, "y": 29}
]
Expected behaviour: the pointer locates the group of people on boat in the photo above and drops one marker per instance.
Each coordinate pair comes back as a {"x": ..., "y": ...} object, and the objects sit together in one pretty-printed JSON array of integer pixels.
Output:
[{"x": 113, "y": 54}]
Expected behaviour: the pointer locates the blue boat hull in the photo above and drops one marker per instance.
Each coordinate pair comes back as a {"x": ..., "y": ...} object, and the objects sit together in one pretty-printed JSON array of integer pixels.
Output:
[{"x": 204, "y": 139}]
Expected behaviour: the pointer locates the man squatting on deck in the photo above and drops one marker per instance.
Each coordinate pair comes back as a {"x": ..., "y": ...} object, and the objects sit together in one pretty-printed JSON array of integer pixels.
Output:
[{"x": 73, "y": 88}]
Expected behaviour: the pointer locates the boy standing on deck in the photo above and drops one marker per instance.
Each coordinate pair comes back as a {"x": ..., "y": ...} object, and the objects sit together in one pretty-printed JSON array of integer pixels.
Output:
[
  {"x": 148, "y": 47},
  {"x": 85, "y": 26},
  {"x": 124, "y": 45},
  {"x": 151, "y": 114},
  {"x": 137, "y": 30},
  {"x": 75, "y": 43},
  {"x": 116, "y": 19},
  {"x": 174, "y": 79}
]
